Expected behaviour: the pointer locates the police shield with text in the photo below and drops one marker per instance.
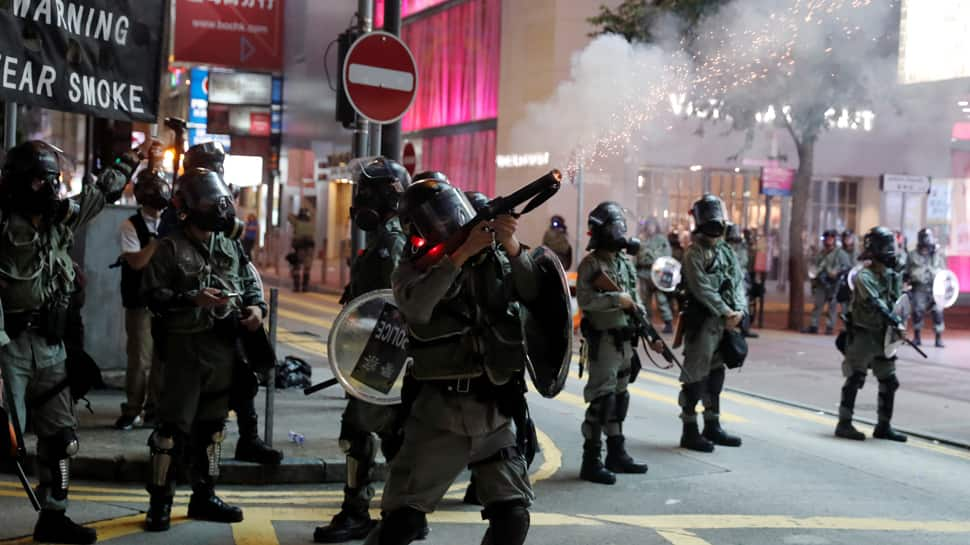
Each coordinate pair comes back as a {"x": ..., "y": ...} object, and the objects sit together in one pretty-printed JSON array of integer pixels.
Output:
[
  {"x": 611, "y": 337},
  {"x": 463, "y": 308},
  {"x": 378, "y": 188},
  {"x": 714, "y": 303},
  {"x": 37, "y": 280},
  {"x": 875, "y": 289}
]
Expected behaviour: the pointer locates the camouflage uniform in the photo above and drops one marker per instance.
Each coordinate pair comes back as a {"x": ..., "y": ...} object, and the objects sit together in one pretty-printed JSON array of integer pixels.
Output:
[
  {"x": 653, "y": 248},
  {"x": 921, "y": 269},
  {"x": 829, "y": 264}
]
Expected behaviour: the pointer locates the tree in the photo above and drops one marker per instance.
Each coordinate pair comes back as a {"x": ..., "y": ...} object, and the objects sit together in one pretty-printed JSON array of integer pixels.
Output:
[{"x": 808, "y": 62}]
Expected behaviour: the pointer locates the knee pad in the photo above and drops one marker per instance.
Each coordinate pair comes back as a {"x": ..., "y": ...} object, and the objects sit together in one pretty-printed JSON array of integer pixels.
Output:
[
  {"x": 715, "y": 380},
  {"x": 505, "y": 508},
  {"x": 62, "y": 444},
  {"x": 856, "y": 380},
  {"x": 509, "y": 522},
  {"x": 601, "y": 409},
  {"x": 889, "y": 384},
  {"x": 621, "y": 407},
  {"x": 357, "y": 444},
  {"x": 402, "y": 526}
]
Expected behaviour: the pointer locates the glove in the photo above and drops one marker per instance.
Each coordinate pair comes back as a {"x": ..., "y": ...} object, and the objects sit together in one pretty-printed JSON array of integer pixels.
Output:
[{"x": 113, "y": 180}]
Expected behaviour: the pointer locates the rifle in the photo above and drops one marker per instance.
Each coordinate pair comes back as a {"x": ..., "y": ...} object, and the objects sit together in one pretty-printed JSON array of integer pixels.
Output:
[
  {"x": 896, "y": 322},
  {"x": 645, "y": 331},
  {"x": 535, "y": 193},
  {"x": 319, "y": 386},
  {"x": 17, "y": 450}
]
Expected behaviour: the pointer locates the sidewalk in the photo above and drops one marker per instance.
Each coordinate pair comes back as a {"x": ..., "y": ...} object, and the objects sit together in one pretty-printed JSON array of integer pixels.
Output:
[{"x": 108, "y": 454}]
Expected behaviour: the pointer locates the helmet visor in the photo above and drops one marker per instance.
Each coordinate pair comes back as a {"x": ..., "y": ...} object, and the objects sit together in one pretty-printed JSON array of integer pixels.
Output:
[{"x": 440, "y": 217}]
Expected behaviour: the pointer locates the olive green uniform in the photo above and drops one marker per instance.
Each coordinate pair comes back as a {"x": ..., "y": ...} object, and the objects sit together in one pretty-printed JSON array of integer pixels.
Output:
[
  {"x": 36, "y": 281},
  {"x": 921, "y": 269},
  {"x": 466, "y": 342},
  {"x": 361, "y": 420},
  {"x": 829, "y": 264},
  {"x": 651, "y": 249},
  {"x": 557, "y": 241},
  {"x": 199, "y": 345}
]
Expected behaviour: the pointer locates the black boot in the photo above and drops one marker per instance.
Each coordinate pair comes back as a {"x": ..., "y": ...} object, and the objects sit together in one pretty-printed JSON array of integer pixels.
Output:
[
  {"x": 850, "y": 389},
  {"x": 617, "y": 458},
  {"x": 205, "y": 505},
  {"x": 939, "y": 341},
  {"x": 916, "y": 338},
  {"x": 345, "y": 526},
  {"x": 884, "y": 409},
  {"x": 592, "y": 469},
  {"x": 691, "y": 438},
  {"x": 56, "y": 527},
  {"x": 508, "y": 523},
  {"x": 250, "y": 448},
  {"x": 712, "y": 411},
  {"x": 159, "y": 517},
  {"x": 717, "y": 435}
]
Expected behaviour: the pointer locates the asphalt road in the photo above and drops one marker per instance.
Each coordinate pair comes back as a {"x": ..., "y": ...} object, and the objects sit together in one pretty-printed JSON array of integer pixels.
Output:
[{"x": 791, "y": 482}]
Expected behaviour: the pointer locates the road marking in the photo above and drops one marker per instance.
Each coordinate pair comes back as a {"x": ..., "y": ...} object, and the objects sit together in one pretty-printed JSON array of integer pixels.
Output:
[
  {"x": 782, "y": 522},
  {"x": 681, "y": 537},
  {"x": 115, "y": 528},
  {"x": 305, "y": 318},
  {"x": 320, "y": 306}
]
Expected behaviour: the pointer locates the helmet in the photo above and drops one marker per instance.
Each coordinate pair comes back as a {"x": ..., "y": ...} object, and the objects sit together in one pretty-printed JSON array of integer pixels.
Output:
[
  {"x": 25, "y": 163},
  {"x": 673, "y": 238},
  {"x": 434, "y": 210},
  {"x": 207, "y": 203},
  {"x": 558, "y": 223},
  {"x": 709, "y": 217},
  {"x": 478, "y": 200},
  {"x": 879, "y": 244},
  {"x": 848, "y": 238},
  {"x": 607, "y": 229},
  {"x": 151, "y": 189},
  {"x": 430, "y": 175},
  {"x": 378, "y": 188},
  {"x": 733, "y": 233},
  {"x": 207, "y": 155},
  {"x": 926, "y": 239}
]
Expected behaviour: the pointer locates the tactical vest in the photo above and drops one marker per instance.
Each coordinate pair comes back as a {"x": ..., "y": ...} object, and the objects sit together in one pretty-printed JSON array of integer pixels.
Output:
[
  {"x": 35, "y": 265},
  {"x": 367, "y": 271},
  {"x": 476, "y": 329},
  {"x": 130, "y": 278},
  {"x": 622, "y": 272}
]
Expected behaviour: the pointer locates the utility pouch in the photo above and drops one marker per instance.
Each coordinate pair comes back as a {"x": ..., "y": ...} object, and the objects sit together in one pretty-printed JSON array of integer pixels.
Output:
[{"x": 55, "y": 322}]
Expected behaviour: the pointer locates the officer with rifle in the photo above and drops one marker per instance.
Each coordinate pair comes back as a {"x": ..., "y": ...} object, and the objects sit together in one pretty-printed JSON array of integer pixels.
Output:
[
  {"x": 380, "y": 183},
  {"x": 714, "y": 301},
  {"x": 921, "y": 268},
  {"x": 37, "y": 280},
  {"x": 199, "y": 285},
  {"x": 463, "y": 303},
  {"x": 876, "y": 288},
  {"x": 611, "y": 337}
]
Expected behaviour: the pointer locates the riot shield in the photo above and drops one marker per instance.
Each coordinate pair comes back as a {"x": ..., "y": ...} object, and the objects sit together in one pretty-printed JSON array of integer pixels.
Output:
[
  {"x": 946, "y": 289},
  {"x": 851, "y": 276},
  {"x": 895, "y": 336},
  {"x": 367, "y": 348},
  {"x": 665, "y": 274},
  {"x": 548, "y": 326}
]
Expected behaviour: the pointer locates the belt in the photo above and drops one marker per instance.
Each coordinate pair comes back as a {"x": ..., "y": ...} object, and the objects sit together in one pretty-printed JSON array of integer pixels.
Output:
[
  {"x": 16, "y": 323},
  {"x": 461, "y": 386}
]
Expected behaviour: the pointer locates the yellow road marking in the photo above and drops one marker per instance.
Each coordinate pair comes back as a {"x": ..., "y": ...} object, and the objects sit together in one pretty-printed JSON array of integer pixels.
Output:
[
  {"x": 321, "y": 307},
  {"x": 115, "y": 528},
  {"x": 231, "y": 493},
  {"x": 681, "y": 537},
  {"x": 305, "y": 318},
  {"x": 782, "y": 522}
]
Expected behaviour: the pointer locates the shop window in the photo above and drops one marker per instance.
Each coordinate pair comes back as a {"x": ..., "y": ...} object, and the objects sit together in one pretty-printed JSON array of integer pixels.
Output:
[{"x": 834, "y": 205}]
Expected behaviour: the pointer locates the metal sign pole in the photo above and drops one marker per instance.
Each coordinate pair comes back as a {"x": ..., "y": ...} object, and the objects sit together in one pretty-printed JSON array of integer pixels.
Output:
[
  {"x": 10, "y": 125},
  {"x": 274, "y": 295},
  {"x": 365, "y": 14},
  {"x": 580, "y": 198}
]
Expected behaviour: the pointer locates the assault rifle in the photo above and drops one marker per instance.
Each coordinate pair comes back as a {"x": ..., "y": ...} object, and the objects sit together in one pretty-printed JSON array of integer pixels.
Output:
[
  {"x": 535, "y": 194},
  {"x": 645, "y": 331},
  {"x": 12, "y": 442}
]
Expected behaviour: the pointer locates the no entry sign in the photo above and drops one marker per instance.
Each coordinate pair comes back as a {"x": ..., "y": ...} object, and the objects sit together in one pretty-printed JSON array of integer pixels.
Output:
[
  {"x": 409, "y": 158},
  {"x": 380, "y": 77}
]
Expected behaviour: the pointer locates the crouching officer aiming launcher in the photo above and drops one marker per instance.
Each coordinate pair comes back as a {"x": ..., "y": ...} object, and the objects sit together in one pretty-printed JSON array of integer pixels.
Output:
[{"x": 199, "y": 285}]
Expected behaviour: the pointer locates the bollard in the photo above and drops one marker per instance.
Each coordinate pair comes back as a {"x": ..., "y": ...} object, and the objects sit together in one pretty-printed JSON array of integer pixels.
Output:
[{"x": 274, "y": 294}]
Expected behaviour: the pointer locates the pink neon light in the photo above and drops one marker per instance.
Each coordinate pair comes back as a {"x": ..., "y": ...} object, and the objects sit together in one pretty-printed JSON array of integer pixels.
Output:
[
  {"x": 467, "y": 159},
  {"x": 408, "y": 7},
  {"x": 961, "y": 131},
  {"x": 960, "y": 265},
  {"x": 457, "y": 51}
]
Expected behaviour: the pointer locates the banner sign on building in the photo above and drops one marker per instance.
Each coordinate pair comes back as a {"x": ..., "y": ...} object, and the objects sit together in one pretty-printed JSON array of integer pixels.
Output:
[
  {"x": 96, "y": 57},
  {"x": 246, "y": 34},
  {"x": 903, "y": 183},
  {"x": 777, "y": 181}
]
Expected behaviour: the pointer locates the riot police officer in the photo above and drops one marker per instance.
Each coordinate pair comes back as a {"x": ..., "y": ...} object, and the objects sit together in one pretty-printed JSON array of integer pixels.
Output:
[
  {"x": 714, "y": 300},
  {"x": 654, "y": 245},
  {"x": 200, "y": 286},
  {"x": 877, "y": 287},
  {"x": 609, "y": 331},
  {"x": 829, "y": 263},
  {"x": 921, "y": 268},
  {"x": 37, "y": 279},
  {"x": 377, "y": 191},
  {"x": 556, "y": 238},
  {"x": 849, "y": 246},
  {"x": 739, "y": 246},
  {"x": 465, "y": 337}
]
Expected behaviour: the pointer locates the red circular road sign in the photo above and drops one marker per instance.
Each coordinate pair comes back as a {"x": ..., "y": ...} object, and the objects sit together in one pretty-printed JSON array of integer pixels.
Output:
[
  {"x": 380, "y": 77},
  {"x": 409, "y": 158}
]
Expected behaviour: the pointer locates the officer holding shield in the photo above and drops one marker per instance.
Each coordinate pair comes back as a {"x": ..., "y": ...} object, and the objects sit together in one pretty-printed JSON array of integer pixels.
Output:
[
  {"x": 921, "y": 268},
  {"x": 654, "y": 245},
  {"x": 37, "y": 280},
  {"x": 714, "y": 300},
  {"x": 464, "y": 316},
  {"x": 876, "y": 288},
  {"x": 611, "y": 338},
  {"x": 378, "y": 188}
]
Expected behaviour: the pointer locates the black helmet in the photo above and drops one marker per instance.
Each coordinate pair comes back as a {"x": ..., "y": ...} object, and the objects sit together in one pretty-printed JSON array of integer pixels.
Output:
[
  {"x": 926, "y": 239},
  {"x": 829, "y": 234},
  {"x": 709, "y": 217},
  {"x": 607, "y": 229},
  {"x": 848, "y": 238},
  {"x": 29, "y": 161},
  {"x": 430, "y": 175},
  {"x": 733, "y": 233},
  {"x": 378, "y": 188},
  {"x": 207, "y": 155},
  {"x": 557, "y": 223},
  {"x": 207, "y": 203},
  {"x": 879, "y": 244},
  {"x": 152, "y": 189},
  {"x": 479, "y": 200},
  {"x": 434, "y": 211}
]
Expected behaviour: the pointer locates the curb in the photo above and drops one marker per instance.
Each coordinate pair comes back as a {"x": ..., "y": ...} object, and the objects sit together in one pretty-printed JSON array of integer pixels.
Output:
[{"x": 291, "y": 471}]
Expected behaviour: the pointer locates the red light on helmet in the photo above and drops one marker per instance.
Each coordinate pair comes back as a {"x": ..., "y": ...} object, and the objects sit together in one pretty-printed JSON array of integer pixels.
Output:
[
  {"x": 436, "y": 249},
  {"x": 417, "y": 241}
]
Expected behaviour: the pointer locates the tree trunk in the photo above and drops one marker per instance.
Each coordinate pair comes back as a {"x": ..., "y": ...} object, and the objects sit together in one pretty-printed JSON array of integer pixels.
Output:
[{"x": 796, "y": 252}]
